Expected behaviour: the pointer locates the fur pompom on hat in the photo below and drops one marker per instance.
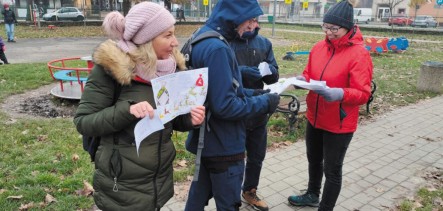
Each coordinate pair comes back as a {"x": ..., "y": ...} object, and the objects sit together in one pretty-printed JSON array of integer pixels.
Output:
[
  {"x": 341, "y": 14},
  {"x": 143, "y": 23}
]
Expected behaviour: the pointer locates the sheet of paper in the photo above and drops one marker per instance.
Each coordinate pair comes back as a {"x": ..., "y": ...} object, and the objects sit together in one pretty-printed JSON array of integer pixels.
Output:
[
  {"x": 174, "y": 94},
  {"x": 146, "y": 127},
  {"x": 284, "y": 83},
  {"x": 312, "y": 85},
  {"x": 264, "y": 69}
]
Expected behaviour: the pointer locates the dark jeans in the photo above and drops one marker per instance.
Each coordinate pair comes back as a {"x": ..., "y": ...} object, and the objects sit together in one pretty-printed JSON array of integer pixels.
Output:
[
  {"x": 221, "y": 180},
  {"x": 256, "y": 143},
  {"x": 326, "y": 152}
]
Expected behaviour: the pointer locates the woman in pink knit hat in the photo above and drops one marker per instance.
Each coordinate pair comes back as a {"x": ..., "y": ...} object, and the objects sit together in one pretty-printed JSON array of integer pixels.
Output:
[{"x": 142, "y": 47}]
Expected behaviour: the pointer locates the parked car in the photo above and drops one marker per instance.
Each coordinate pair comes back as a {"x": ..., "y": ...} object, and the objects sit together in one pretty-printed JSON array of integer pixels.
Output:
[
  {"x": 400, "y": 20},
  {"x": 424, "y": 21},
  {"x": 65, "y": 13},
  {"x": 362, "y": 15}
]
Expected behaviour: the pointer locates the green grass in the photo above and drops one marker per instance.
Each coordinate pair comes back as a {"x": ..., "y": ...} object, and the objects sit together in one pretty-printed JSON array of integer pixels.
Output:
[
  {"x": 426, "y": 200},
  {"x": 36, "y": 153},
  {"x": 18, "y": 78}
]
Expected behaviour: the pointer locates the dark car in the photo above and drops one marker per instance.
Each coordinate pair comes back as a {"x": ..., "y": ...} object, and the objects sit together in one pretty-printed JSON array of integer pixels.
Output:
[
  {"x": 424, "y": 21},
  {"x": 400, "y": 20}
]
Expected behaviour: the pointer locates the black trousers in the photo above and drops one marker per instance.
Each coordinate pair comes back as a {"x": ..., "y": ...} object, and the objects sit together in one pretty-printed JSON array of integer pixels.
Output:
[
  {"x": 3, "y": 57},
  {"x": 326, "y": 152}
]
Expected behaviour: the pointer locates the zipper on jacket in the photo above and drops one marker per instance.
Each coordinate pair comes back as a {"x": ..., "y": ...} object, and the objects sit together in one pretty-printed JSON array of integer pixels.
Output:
[
  {"x": 157, "y": 170},
  {"x": 318, "y": 96},
  {"x": 343, "y": 114}
]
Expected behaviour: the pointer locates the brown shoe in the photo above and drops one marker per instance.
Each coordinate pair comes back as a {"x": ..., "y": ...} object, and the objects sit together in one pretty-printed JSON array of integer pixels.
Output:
[{"x": 252, "y": 198}]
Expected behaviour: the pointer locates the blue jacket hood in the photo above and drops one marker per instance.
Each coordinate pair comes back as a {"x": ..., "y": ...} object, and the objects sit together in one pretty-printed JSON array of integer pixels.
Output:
[{"x": 227, "y": 15}]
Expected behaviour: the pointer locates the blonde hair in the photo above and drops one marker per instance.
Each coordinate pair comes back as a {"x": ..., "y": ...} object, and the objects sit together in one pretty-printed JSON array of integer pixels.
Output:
[{"x": 145, "y": 55}]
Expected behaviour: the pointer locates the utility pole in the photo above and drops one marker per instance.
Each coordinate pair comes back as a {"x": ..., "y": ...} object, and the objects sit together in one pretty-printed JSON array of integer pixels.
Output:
[
  {"x": 273, "y": 19},
  {"x": 198, "y": 11},
  {"x": 210, "y": 8}
]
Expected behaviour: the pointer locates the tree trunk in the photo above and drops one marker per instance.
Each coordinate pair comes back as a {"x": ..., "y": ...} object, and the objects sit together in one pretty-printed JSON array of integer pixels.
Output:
[
  {"x": 431, "y": 77},
  {"x": 126, "y": 7}
]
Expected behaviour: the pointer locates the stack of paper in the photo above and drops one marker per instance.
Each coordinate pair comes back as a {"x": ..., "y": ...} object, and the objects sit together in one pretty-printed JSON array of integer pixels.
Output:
[{"x": 284, "y": 83}]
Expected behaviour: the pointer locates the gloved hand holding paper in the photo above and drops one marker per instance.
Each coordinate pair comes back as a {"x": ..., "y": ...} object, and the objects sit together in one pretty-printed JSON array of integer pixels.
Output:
[{"x": 284, "y": 83}]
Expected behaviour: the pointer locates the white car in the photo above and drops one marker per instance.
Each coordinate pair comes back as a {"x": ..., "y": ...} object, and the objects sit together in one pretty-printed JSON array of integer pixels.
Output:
[{"x": 65, "y": 13}]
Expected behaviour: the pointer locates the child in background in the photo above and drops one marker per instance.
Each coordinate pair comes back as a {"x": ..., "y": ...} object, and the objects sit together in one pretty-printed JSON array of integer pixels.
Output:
[{"x": 2, "y": 52}]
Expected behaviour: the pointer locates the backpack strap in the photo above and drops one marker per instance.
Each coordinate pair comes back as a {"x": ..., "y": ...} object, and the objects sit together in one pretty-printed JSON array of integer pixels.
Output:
[
  {"x": 200, "y": 146},
  {"x": 187, "y": 47},
  {"x": 208, "y": 34}
]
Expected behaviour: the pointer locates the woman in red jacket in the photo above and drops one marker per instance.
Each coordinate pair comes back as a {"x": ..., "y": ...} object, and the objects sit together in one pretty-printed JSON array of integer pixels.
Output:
[{"x": 343, "y": 62}]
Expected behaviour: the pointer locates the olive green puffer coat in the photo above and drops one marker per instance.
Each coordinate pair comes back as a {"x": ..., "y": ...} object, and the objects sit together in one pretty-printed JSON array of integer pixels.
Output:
[{"x": 145, "y": 182}]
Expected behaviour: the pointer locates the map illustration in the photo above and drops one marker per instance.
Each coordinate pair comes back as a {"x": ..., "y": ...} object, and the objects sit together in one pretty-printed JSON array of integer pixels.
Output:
[{"x": 177, "y": 93}]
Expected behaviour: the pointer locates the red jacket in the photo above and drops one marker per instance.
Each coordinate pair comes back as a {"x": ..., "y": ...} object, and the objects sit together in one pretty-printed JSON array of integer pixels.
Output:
[{"x": 343, "y": 63}]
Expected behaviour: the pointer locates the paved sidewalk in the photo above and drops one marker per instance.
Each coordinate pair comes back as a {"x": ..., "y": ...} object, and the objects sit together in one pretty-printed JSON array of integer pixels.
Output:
[{"x": 383, "y": 164}]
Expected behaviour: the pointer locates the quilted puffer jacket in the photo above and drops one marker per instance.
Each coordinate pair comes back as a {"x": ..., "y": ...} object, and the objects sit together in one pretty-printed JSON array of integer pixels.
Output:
[
  {"x": 145, "y": 181},
  {"x": 343, "y": 63}
]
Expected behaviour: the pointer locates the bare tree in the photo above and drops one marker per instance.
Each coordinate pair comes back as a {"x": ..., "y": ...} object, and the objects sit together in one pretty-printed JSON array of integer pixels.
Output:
[
  {"x": 392, "y": 4},
  {"x": 415, "y": 4}
]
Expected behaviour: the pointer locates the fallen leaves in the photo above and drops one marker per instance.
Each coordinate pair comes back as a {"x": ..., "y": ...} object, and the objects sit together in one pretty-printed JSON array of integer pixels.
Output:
[
  {"x": 279, "y": 145},
  {"x": 42, "y": 138},
  {"x": 380, "y": 190},
  {"x": 75, "y": 157},
  {"x": 26, "y": 206},
  {"x": 180, "y": 165},
  {"x": 87, "y": 190},
  {"x": 49, "y": 199},
  {"x": 427, "y": 138},
  {"x": 434, "y": 183}
]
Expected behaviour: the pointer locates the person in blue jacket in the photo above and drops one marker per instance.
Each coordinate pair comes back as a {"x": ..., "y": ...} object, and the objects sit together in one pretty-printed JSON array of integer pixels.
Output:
[
  {"x": 228, "y": 105},
  {"x": 251, "y": 50}
]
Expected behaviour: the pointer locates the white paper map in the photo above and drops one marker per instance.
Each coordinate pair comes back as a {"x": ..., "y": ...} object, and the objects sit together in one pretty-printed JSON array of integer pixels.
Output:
[
  {"x": 284, "y": 83},
  {"x": 174, "y": 94}
]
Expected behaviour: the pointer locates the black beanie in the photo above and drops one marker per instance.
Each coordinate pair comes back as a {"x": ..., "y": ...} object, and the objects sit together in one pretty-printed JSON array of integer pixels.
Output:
[{"x": 341, "y": 14}]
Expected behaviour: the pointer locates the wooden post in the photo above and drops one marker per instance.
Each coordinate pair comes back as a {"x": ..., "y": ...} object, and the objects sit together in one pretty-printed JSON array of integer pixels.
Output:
[{"x": 431, "y": 77}]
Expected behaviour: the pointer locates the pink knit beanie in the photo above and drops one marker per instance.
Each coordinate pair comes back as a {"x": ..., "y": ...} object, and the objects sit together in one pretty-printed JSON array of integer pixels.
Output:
[{"x": 143, "y": 23}]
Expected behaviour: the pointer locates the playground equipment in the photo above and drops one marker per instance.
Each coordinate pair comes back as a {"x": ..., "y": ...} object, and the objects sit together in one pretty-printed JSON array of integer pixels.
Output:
[
  {"x": 71, "y": 79},
  {"x": 294, "y": 51},
  {"x": 398, "y": 45},
  {"x": 290, "y": 55},
  {"x": 383, "y": 45}
]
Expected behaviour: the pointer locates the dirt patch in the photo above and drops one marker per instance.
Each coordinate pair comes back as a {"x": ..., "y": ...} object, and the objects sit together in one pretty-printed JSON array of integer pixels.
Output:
[{"x": 38, "y": 103}]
